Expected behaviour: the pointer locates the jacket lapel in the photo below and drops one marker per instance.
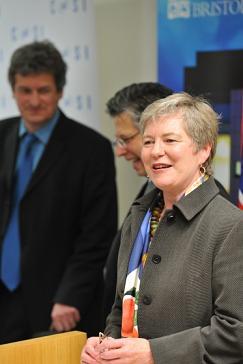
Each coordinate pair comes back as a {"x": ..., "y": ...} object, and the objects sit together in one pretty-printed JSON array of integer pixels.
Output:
[
  {"x": 51, "y": 154},
  {"x": 8, "y": 148},
  {"x": 139, "y": 209},
  {"x": 9, "y": 151}
]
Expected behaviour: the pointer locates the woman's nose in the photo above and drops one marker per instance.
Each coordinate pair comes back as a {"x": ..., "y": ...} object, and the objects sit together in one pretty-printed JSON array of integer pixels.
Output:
[{"x": 158, "y": 149}]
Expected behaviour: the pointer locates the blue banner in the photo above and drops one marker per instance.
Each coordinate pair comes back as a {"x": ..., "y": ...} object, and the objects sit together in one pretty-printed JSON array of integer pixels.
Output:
[
  {"x": 186, "y": 27},
  {"x": 200, "y": 50}
]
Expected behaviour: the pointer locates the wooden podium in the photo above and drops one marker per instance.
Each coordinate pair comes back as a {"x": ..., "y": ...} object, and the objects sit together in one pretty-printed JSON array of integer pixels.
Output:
[{"x": 64, "y": 348}]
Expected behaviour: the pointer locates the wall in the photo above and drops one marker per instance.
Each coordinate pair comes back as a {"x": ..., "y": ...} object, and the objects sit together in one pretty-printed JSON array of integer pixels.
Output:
[
  {"x": 50, "y": 19},
  {"x": 126, "y": 53}
]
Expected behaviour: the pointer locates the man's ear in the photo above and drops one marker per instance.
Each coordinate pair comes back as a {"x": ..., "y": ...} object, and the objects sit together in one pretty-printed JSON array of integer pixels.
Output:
[{"x": 60, "y": 95}]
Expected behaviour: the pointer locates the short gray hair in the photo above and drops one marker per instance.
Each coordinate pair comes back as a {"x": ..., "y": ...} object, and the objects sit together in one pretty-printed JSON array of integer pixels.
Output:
[{"x": 200, "y": 120}]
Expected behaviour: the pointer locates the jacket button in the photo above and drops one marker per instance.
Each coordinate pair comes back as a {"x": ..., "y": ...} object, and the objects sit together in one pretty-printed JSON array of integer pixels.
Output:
[
  {"x": 171, "y": 217},
  {"x": 147, "y": 300},
  {"x": 156, "y": 259}
]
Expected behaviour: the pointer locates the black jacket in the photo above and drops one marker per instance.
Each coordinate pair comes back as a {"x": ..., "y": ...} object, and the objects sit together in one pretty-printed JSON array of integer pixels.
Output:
[{"x": 68, "y": 218}]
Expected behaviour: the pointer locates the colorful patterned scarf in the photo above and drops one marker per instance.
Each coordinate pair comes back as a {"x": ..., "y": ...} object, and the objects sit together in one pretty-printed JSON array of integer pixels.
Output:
[{"x": 135, "y": 267}]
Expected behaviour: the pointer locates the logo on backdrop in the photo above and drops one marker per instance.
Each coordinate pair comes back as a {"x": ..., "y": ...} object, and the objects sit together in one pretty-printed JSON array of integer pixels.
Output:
[
  {"x": 178, "y": 9},
  {"x": 201, "y": 9}
]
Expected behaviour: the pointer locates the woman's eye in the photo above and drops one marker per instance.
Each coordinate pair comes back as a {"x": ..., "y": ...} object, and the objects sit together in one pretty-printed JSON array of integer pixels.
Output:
[{"x": 170, "y": 140}]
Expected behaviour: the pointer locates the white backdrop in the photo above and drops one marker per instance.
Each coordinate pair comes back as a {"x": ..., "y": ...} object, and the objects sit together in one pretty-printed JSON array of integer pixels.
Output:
[{"x": 70, "y": 25}]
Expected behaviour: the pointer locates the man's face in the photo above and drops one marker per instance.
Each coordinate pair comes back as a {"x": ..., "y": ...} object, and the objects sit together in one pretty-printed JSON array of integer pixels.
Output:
[
  {"x": 37, "y": 98},
  {"x": 125, "y": 129}
]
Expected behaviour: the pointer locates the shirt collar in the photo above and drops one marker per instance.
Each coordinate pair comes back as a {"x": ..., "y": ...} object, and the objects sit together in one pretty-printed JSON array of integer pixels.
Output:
[{"x": 43, "y": 134}]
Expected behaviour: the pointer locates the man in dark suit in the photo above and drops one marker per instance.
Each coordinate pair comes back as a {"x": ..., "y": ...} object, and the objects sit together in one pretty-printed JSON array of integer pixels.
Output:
[{"x": 65, "y": 219}]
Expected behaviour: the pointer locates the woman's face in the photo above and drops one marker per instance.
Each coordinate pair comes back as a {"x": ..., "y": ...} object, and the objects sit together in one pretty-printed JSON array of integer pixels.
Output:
[{"x": 169, "y": 154}]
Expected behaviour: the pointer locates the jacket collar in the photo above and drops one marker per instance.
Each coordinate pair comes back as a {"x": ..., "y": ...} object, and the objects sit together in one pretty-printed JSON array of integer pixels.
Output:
[
  {"x": 189, "y": 205},
  {"x": 195, "y": 201}
]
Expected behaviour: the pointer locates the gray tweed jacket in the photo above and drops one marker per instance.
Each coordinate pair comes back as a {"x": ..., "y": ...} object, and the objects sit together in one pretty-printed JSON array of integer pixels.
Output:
[{"x": 191, "y": 294}]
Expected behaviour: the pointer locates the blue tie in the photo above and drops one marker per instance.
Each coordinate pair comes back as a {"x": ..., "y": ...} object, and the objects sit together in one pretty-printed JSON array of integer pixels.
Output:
[{"x": 10, "y": 260}]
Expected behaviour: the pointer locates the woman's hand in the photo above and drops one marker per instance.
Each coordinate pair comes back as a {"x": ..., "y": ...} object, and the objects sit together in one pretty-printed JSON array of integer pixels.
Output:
[
  {"x": 124, "y": 351},
  {"x": 89, "y": 354}
]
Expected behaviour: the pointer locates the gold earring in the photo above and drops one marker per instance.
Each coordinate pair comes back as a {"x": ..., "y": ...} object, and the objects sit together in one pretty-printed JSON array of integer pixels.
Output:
[{"x": 202, "y": 170}]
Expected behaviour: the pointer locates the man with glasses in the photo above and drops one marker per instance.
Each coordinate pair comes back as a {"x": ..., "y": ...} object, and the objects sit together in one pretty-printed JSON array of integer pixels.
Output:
[{"x": 125, "y": 107}]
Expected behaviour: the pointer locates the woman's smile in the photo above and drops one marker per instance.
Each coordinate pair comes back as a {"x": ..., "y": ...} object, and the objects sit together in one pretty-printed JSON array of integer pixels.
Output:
[
  {"x": 160, "y": 166},
  {"x": 169, "y": 154}
]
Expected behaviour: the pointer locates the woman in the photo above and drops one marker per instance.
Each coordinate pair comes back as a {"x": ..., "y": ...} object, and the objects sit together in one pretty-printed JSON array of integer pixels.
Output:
[{"x": 180, "y": 269}]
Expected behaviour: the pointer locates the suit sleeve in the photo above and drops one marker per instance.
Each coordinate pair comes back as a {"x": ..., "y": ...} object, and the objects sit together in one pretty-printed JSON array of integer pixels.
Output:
[
  {"x": 97, "y": 225},
  {"x": 111, "y": 275}
]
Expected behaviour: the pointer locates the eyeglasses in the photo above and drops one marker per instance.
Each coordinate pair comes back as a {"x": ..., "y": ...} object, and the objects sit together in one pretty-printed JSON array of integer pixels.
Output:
[
  {"x": 102, "y": 337},
  {"x": 122, "y": 142}
]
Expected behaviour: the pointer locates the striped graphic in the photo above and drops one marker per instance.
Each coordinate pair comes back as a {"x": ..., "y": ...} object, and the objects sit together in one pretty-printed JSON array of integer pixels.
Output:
[{"x": 135, "y": 268}]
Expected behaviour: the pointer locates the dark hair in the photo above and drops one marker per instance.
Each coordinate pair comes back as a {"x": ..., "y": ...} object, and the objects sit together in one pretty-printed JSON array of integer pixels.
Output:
[
  {"x": 37, "y": 58},
  {"x": 135, "y": 98}
]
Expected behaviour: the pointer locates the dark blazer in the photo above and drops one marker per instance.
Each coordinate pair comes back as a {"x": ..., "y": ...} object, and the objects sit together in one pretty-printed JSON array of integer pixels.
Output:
[
  {"x": 68, "y": 217},
  {"x": 191, "y": 292}
]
